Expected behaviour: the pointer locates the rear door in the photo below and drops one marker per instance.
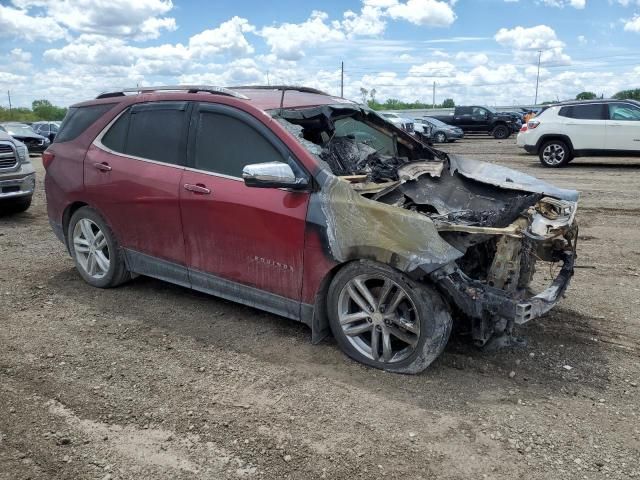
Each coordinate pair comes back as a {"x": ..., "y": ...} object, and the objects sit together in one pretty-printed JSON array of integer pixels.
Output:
[
  {"x": 237, "y": 236},
  {"x": 132, "y": 175},
  {"x": 586, "y": 125},
  {"x": 623, "y": 127}
]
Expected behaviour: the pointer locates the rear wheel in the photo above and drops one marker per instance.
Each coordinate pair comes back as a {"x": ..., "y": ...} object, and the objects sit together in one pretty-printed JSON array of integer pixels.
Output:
[
  {"x": 383, "y": 319},
  {"x": 501, "y": 132},
  {"x": 554, "y": 154},
  {"x": 95, "y": 250}
]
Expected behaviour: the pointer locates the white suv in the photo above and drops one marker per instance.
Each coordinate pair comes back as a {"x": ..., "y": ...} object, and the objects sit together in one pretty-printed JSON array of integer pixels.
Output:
[{"x": 573, "y": 129}]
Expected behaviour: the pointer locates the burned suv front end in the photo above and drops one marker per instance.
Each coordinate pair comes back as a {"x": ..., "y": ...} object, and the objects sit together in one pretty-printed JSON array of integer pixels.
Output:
[{"x": 483, "y": 234}]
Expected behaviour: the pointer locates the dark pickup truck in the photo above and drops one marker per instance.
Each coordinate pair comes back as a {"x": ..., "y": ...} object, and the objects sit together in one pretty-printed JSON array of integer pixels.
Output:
[{"x": 481, "y": 119}]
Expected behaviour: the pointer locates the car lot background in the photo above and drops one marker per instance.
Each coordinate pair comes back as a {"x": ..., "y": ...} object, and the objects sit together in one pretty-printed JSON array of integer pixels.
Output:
[{"x": 151, "y": 380}]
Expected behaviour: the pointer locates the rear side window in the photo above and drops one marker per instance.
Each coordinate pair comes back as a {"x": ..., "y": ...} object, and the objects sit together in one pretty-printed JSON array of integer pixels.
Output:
[
  {"x": 78, "y": 119},
  {"x": 594, "y": 111},
  {"x": 154, "y": 131},
  {"x": 225, "y": 144}
]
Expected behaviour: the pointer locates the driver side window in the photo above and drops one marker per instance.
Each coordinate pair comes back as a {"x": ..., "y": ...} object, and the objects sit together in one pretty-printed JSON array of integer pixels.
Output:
[
  {"x": 225, "y": 145},
  {"x": 624, "y": 112}
]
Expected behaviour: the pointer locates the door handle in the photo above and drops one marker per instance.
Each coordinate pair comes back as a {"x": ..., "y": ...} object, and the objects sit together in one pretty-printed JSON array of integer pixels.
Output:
[
  {"x": 197, "y": 188},
  {"x": 104, "y": 166}
]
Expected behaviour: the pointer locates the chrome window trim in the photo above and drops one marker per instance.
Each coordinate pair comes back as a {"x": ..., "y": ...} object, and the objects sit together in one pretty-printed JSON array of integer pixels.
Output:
[
  {"x": 214, "y": 174},
  {"x": 97, "y": 142}
]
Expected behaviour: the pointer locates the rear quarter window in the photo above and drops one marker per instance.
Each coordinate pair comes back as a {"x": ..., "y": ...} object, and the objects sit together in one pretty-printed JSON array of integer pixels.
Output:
[{"x": 78, "y": 119}]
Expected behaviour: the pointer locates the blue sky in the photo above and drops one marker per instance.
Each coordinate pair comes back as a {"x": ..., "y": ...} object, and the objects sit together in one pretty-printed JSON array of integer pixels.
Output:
[{"x": 480, "y": 51}]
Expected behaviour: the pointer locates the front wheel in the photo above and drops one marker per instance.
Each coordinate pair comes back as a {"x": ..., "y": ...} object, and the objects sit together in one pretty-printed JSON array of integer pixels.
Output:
[
  {"x": 441, "y": 137},
  {"x": 555, "y": 154},
  {"x": 382, "y": 318},
  {"x": 95, "y": 250}
]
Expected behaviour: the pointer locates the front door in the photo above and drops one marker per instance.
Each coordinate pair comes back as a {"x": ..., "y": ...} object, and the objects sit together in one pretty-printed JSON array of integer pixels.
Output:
[
  {"x": 242, "y": 243},
  {"x": 133, "y": 175},
  {"x": 623, "y": 127}
]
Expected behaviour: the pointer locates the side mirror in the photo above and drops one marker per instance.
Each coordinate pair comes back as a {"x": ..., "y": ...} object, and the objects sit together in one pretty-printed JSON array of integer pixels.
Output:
[{"x": 272, "y": 175}]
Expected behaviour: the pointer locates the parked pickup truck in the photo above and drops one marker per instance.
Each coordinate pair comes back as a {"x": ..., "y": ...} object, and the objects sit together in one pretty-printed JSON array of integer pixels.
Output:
[
  {"x": 17, "y": 177},
  {"x": 480, "y": 119}
]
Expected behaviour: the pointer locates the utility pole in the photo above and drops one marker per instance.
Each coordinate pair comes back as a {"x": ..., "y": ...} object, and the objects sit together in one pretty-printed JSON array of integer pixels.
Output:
[
  {"x": 434, "y": 95},
  {"x": 9, "y": 95},
  {"x": 268, "y": 82},
  {"x": 535, "y": 102},
  {"x": 341, "y": 79}
]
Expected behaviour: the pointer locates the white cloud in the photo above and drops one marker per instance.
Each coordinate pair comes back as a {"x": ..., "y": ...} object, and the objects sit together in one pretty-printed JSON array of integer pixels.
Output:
[
  {"x": 139, "y": 19},
  {"x": 579, "y": 4},
  {"x": 632, "y": 24},
  {"x": 16, "y": 23},
  {"x": 433, "y": 69},
  {"x": 432, "y": 13},
  {"x": 368, "y": 22},
  {"x": 227, "y": 38},
  {"x": 288, "y": 40},
  {"x": 474, "y": 58},
  {"x": 526, "y": 42}
]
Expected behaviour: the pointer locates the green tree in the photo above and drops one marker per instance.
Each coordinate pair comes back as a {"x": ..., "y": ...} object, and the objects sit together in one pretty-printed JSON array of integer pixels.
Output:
[
  {"x": 586, "y": 96},
  {"x": 448, "y": 103},
  {"x": 45, "y": 110},
  {"x": 628, "y": 94}
]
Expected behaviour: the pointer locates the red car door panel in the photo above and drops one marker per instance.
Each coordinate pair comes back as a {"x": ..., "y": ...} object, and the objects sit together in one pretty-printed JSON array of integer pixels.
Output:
[
  {"x": 140, "y": 196},
  {"x": 250, "y": 236}
]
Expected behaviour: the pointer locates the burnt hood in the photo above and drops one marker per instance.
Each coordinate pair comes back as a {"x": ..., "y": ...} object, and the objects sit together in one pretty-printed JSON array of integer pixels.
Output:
[{"x": 504, "y": 177}]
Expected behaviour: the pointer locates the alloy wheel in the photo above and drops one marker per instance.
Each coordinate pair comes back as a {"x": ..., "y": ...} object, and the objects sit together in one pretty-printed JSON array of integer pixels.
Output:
[
  {"x": 378, "y": 318},
  {"x": 553, "y": 154},
  {"x": 441, "y": 137},
  {"x": 91, "y": 248}
]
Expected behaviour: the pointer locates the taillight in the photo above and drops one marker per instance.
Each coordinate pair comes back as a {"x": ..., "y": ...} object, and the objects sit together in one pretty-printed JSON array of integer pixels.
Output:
[
  {"x": 47, "y": 158},
  {"x": 533, "y": 124},
  {"x": 523, "y": 128}
]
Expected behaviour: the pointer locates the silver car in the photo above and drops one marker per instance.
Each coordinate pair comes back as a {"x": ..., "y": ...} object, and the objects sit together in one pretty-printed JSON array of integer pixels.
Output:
[{"x": 17, "y": 176}]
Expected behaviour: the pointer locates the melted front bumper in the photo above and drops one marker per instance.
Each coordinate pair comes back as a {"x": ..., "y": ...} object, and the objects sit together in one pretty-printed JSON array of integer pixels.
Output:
[{"x": 479, "y": 300}]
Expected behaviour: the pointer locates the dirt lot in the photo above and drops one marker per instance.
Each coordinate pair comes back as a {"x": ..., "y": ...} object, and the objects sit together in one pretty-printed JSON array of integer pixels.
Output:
[{"x": 152, "y": 381}]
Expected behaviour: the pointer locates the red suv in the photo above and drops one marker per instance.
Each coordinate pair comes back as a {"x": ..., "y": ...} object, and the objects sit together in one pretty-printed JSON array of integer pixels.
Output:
[{"x": 307, "y": 206}]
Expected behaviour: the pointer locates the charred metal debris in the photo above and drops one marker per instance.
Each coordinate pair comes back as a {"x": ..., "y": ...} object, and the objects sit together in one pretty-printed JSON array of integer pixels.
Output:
[{"x": 473, "y": 229}]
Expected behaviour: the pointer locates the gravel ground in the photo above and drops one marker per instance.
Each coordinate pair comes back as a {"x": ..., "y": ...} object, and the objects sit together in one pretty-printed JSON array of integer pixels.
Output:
[{"x": 151, "y": 381}]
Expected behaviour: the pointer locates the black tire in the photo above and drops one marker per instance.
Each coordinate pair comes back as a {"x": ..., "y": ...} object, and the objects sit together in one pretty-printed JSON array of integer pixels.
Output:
[
  {"x": 501, "y": 132},
  {"x": 15, "y": 205},
  {"x": 440, "y": 137},
  {"x": 117, "y": 272},
  {"x": 432, "y": 313},
  {"x": 555, "y": 154}
]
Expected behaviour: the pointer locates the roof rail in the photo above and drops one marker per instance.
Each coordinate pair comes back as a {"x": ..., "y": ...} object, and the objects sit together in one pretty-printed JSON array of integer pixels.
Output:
[
  {"x": 169, "y": 88},
  {"x": 283, "y": 88}
]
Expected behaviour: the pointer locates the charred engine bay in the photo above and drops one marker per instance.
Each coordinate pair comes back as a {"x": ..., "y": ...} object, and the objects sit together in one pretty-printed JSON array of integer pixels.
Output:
[{"x": 393, "y": 168}]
